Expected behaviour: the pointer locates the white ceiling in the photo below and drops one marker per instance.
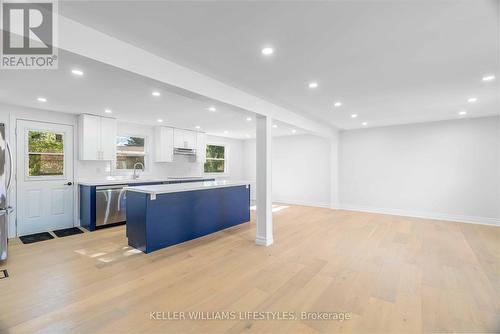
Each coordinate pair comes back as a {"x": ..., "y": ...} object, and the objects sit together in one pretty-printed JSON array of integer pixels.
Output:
[
  {"x": 128, "y": 95},
  {"x": 390, "y": 62}
]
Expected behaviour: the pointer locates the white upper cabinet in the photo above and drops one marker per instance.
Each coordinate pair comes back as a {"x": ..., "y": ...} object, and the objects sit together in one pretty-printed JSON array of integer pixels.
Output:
[
  {"x": 184, "y": 139},
  {"x": 108, "y": 138},
  {"x": 164, "y": 144},
  {"x": 190, "y": 139},
  {"x": 89, "y": 137},
  {"x": 178, "y": 138},
  {"x": 201, "y": 152},
  {"x": 166, "y": 139},
  {"x": 97, "y": 137}
]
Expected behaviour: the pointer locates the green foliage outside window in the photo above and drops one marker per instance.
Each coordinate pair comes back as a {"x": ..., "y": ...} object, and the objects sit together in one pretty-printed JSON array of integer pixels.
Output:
[
  {"x": 215, "y": 152},
  {"x": 215, "y": 159},
  {"x": 45, "y": 153},
  {"x": 45, "y": 142}
]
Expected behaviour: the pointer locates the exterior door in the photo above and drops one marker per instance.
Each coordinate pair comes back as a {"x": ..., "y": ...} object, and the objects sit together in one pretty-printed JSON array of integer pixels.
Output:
[{"x": 45, "y": 196}]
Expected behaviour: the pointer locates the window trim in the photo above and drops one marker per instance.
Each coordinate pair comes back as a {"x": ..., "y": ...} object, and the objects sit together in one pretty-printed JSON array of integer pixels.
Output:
[
  {"x": 226, "y": 159},
  {"x": 147, "y": 162}
]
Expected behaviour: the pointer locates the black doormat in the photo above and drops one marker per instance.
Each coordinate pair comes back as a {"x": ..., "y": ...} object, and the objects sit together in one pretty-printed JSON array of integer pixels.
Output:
[
  {"x": 67, "y": 231},
  {"x": 31, "y": 238},
  {"x": 4, "y": 274}
]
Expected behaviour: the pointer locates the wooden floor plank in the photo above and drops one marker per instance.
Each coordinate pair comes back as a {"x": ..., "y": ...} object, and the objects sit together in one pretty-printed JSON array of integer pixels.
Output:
[{"x": 389, "y": 273}]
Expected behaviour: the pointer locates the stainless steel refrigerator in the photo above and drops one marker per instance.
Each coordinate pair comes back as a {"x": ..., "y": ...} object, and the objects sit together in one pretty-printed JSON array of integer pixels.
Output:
[{"x": 5, "y": 181}]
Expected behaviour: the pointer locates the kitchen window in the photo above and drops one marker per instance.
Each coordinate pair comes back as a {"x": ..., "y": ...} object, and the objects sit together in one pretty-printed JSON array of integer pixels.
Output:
[
  {"x": 129, "y": 151},
  {"x": 215, "y": 159}
]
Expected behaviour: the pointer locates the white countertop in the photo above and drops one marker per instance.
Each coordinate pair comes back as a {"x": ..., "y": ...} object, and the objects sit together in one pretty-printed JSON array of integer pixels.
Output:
[
  {"x": 125, "y": 180},
  {"x": 154, "y": 190}
]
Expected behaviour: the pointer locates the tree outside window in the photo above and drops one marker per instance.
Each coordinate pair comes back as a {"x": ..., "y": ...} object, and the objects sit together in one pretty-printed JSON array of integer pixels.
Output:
[
  {"x": 45, "y": 153},
  {"x": 215, "y": 159}
]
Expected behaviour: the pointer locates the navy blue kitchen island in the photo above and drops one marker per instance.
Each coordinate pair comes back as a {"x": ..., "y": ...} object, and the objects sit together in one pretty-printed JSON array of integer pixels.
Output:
[{"x": 159, "y": 216}]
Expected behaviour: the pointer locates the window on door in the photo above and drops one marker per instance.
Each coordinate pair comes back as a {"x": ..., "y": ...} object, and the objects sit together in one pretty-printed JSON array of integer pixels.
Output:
[
  {"x": 129, "y": 151},
  {"x": 215, "y": 159},
  {"x": 45, "y": 153}
]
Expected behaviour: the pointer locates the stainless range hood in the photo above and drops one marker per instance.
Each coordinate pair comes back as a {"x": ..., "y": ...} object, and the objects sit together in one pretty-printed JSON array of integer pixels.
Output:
[{"x": 184, "y": 151}]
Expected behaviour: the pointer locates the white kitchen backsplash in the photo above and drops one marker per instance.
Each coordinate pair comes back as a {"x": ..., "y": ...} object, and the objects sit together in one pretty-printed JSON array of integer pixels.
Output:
[{"x": 182, "y": 166}]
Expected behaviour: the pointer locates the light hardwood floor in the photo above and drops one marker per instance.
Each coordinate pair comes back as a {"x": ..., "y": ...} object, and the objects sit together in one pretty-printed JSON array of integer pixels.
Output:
[{"x": 391, "y": 274}]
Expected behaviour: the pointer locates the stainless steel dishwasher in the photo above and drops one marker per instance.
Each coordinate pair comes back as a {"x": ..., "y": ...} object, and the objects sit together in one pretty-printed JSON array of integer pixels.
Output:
[{"x": 110, "y": 204}]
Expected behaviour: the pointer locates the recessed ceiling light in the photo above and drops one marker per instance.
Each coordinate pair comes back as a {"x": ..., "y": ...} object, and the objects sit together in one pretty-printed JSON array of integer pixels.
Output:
[
  {"x": 294, "y": 131},
  {"x": 108, "y": 111},
  {"x": 160, "y": 120},
  {"x": 226, "y": 132},
  {"x": 267, "y": 51},
  {"x": 77, "y": 72},
  {"x": 354, "y": 115},
  {"x": 212, "y": 109},
  {"x": 198, "y": 127},
  {"x": 155, "y": 93},
  {"x": 249, "y": 119},
  {"x": 488, "y": 78},
  {"x": 472, "y": 99},
  {"x": 337, "y": 104},
  {"x": 275, "y": 126},
  {"x": 462, "y": 112},
  {"x": 42, "y": 99},
  {"x": 313, "y": 85},
  {"x": 364, "y": 123}
]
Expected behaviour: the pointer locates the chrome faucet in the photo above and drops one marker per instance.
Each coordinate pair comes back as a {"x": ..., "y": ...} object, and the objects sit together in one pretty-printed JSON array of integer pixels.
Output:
[{"x": 136, "y": 176}]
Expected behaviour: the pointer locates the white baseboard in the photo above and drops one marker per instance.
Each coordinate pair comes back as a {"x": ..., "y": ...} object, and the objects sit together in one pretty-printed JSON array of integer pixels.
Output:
[
  {"x": 306, "y": 203},
  {"x": 263, "y": 241},
  {"x": 425, "y": 215},
  {"x": 294, "y": 202}
]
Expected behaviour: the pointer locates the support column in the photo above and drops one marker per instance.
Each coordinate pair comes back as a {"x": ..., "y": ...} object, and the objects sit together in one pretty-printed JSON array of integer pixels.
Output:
[
  {"x": 334, "y": 171},
  {"x": 264, "y": 181}
]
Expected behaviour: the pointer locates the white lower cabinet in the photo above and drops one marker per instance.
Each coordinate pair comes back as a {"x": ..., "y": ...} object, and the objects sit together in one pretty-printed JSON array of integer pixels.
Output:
[{"x": 97, "y": 137}]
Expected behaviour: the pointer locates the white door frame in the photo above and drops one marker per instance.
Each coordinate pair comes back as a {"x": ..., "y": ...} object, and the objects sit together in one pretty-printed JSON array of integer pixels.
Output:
[{"x": 15, "y": 120}]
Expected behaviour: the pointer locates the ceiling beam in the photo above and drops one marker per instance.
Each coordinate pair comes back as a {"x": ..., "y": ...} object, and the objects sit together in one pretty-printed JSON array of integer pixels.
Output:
[{"x": 88, "y": 42}]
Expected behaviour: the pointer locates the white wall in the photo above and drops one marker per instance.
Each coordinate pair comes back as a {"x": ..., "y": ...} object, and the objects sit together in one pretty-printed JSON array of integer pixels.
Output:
[
  {"x": 301, "y": 169},
  {"x": 250, "y": 165},
  {"x": 91, "y": 170},
  {"x": 447, "y": 170}
]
